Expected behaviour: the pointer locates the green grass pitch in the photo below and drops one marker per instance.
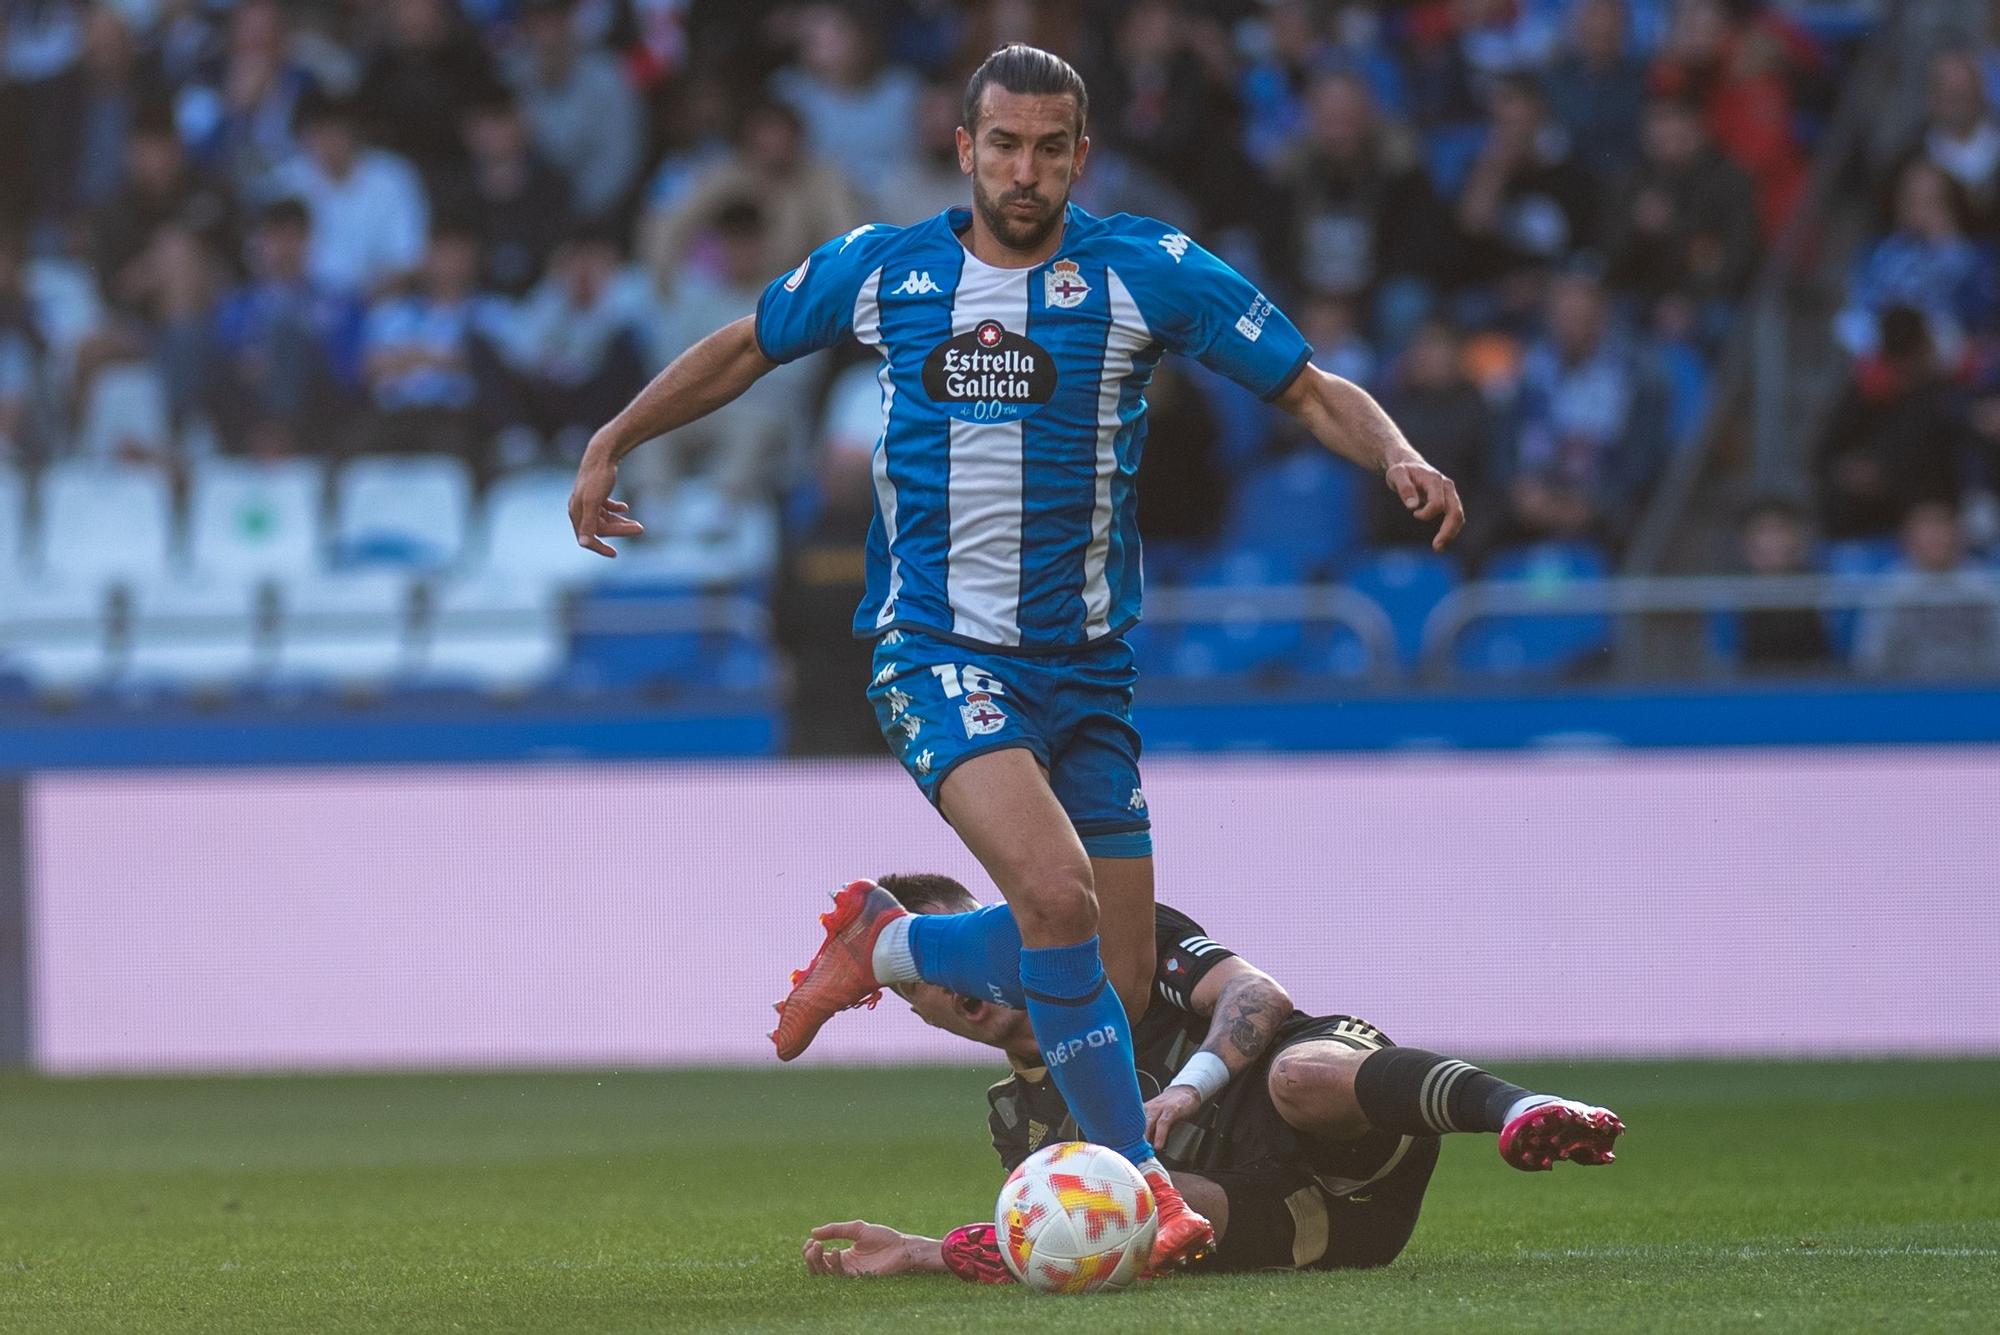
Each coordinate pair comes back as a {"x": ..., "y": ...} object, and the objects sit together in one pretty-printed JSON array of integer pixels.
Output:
[{"x": 1767, "y": 1197}]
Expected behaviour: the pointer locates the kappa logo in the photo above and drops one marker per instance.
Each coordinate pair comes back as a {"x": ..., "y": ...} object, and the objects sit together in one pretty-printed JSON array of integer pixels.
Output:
[
  {"x": 916, "y": 285},
  {"x": 899, "y": 701},
  {"x": 1137, "y": 801},
  {"x": 1176, "y": 244},
  {"x": 922, "y": 764},
  {"x": 1063, "y": 285},
  {"x": 855, "y": 235}
]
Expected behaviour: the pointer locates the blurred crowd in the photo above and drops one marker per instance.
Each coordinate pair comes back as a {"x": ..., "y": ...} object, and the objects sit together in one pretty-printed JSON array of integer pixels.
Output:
[{"x": 326, "y": 227}]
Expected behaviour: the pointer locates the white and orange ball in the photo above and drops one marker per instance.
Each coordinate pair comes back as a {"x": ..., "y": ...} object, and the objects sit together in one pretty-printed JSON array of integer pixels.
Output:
[{"x": 1076, "y": 1218}]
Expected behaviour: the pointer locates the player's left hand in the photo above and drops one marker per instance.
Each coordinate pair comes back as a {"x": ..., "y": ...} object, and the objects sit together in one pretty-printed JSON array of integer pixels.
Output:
[
  {"x": 1428, "y": 494},
  {"x": 1167, "y": 1109},
  {"x": 875, "y": 1250}
]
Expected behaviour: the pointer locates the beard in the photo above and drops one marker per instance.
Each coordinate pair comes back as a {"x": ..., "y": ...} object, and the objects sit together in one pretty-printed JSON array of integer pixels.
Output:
[{"x": 1012, "y": 230}]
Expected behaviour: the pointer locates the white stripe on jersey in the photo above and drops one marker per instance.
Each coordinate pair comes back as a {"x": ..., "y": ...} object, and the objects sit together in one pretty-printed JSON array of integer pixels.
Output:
[
  {"x": 1128, "y": 334},
  {"x": 1200, "y": 945},
  {"x": 868, "y": 331},
  {"x": 983, "y": 565}
]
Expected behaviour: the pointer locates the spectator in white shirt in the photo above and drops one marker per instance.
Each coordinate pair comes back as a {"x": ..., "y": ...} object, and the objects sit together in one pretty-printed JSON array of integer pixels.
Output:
[
  {"x": 423, "y": 350},
  {"x": 368, "y": 207},
  {"x": 585, "y": 115},
  {"x": 859, "y": 114}
]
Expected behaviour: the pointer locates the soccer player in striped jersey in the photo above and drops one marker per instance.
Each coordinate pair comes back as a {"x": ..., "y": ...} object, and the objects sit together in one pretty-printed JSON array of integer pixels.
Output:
[
  {"x": 1308, "y": 1140},
  {"x": 1016, "y": 339}
]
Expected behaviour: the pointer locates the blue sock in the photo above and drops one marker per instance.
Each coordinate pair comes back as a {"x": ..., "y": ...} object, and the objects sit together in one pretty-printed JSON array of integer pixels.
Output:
[
  {"x": 1081, "y": 1028},
  {"x": 976, "y": 954}
]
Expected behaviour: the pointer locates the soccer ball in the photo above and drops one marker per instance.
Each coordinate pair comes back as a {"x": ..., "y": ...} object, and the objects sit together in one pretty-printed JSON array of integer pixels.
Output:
[{"x": 1075, "y": 1218}]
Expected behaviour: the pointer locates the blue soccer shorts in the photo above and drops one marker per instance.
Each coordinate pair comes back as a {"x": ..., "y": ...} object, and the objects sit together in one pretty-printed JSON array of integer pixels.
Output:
[{"x": 940, "y": 704}]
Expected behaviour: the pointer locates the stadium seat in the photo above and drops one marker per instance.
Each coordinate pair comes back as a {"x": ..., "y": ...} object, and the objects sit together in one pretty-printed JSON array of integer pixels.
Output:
[
  {"x": 1302, "y": 509},
  {"x": 54, "y": 632},
  {"x": 1408, "y": 583},
  {"x": 195, "y": 634},
  {"x": 251, "y": 520},
  {"x": 698, "y": 537},
  {"x": 410, "y": 511},
  {"x": 348, "y": 629},
  {"x": 105, "y": 523},
  {"x": 655, "y": 639},
  {"x": 1538, "y": 645},
  {"x": 1243, "y": 641},
  {"x": 524, "y": 530},
  {"x": 13, "y": 525},
  {"x": 125, "y": 410},
  {"x": 498, "y": 631}
]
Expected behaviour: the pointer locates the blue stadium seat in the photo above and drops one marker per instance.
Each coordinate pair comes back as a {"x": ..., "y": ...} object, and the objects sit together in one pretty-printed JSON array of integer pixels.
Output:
[
  {"x": 1302, "y": 509},
  {"x": 1242, "y": 642},
  {"x": 1516, "y": 646},
  {"x": 1408, "y": 582},
  {"x": 665, "y": 660},
  {"x": 1687, "y": 378}
]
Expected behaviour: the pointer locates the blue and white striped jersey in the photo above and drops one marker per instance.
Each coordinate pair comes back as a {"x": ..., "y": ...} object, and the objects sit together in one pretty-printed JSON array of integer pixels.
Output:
[{"x": 1014, "y": 411}]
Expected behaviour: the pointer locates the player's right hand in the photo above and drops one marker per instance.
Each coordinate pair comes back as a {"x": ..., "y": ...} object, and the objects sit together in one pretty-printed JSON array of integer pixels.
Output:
[
  {"x": 876, "y": 1250},
  {"x": 593, "y": 515},
  {"x": 1168, "y": 1109}
]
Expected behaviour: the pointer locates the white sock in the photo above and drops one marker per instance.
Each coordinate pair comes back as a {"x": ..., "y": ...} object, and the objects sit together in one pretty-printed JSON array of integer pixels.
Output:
[
  {"x": 1526, "y": 1102},
  {"x": 893, "y": 961}
]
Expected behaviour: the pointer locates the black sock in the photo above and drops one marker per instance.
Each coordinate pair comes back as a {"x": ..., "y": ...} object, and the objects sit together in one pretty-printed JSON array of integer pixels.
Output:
[{"x": 1417, "y": 1093}]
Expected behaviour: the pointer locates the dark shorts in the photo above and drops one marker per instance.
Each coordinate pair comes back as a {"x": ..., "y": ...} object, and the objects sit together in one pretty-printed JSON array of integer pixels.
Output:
[
  {"x": 939, "y": 704},
  {"x": 1298, "y": 1202}
]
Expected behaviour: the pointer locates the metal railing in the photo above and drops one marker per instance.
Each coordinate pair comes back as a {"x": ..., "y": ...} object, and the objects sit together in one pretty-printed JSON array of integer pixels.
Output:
[{"x": 1333, "y": 604}]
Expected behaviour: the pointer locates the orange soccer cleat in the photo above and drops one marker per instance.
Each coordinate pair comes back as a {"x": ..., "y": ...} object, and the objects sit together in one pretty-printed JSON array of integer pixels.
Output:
[
  {"x": 1559, "y": 1132},
  {"x": 1184, "y": 1236},
  {"x": 842, "y": 975}
]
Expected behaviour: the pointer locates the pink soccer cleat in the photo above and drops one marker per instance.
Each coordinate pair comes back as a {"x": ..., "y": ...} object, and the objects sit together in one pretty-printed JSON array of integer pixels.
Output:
[
  {"x": 842, "y": 975},
  {"x": 972, "y": 1252},
  {"x": 1562, "y": 1131},
  {"x": 1183, "y": 1236}
]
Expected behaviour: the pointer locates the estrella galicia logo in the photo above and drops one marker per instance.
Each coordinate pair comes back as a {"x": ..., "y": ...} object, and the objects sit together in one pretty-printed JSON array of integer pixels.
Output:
[{"x": 990, "y": 375}]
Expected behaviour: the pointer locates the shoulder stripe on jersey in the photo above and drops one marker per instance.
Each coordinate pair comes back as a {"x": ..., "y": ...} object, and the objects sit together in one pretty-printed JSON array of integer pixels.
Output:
[
  {"x": 1200, "y": 945},
  {"x": 983, "y": 563},
  {"x": 1122, "y": 340}
]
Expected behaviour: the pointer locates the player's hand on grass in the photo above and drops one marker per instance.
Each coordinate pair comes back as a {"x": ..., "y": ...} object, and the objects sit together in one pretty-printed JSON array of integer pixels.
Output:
[
  {"x": 1167, "y": 1109},
  {"x": 1428, "y": 494},
  {"x": 875, "y": 1250},
  {"x": 593, "y": 514}
]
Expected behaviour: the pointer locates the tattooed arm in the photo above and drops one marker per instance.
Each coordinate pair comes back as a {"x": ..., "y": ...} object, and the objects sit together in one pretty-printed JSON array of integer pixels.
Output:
[{"x": 1245, "y": 1006}]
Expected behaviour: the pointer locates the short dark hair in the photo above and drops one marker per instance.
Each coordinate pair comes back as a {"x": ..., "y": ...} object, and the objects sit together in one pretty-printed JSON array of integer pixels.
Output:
[
  {"x": 928, "y": 892},
  {"x": 738, "y": 216},
  {"x": 1020, "y": 68}
]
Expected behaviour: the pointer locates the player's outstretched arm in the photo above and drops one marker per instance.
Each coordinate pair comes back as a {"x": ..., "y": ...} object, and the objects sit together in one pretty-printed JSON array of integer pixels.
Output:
[
  {"x": 1346, "y": 419},
  {"x": 695, "y": 384},
  {"x": 874, "y": 1249},
  {"x": 1245, "y": 1006}
]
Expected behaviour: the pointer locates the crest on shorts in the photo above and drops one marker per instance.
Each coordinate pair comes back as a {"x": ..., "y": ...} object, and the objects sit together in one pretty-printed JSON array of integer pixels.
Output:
[
  {"x": 1063, "y": 285},
  {"x": 981, "y": 715}
]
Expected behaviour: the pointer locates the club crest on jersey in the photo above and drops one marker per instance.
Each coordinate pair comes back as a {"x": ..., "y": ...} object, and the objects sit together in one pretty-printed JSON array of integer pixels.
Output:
[
  {"x": 981, "y": 715},
  {"x": 990, "y": 374},
  {"x": 1063, "y": 285}
]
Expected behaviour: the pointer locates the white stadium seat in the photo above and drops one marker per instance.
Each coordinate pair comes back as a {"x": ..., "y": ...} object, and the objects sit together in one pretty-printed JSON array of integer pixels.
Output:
[
  {"x": 699, "y": 536},
  {"x": 53, "y": 632},
  {"x": 411, "y": 510},
  {"x": 104, "y": 522},
  {"x": 126, "y": 407},
  {"x": 525, "y": 530},
  {"x": 349, "y": 629},
  {"x": 497, "y": 632},
  {"x": 252, "y": 520},
  {"x": 192, "y": 633},
  {"x": 13, "y": 525}
]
